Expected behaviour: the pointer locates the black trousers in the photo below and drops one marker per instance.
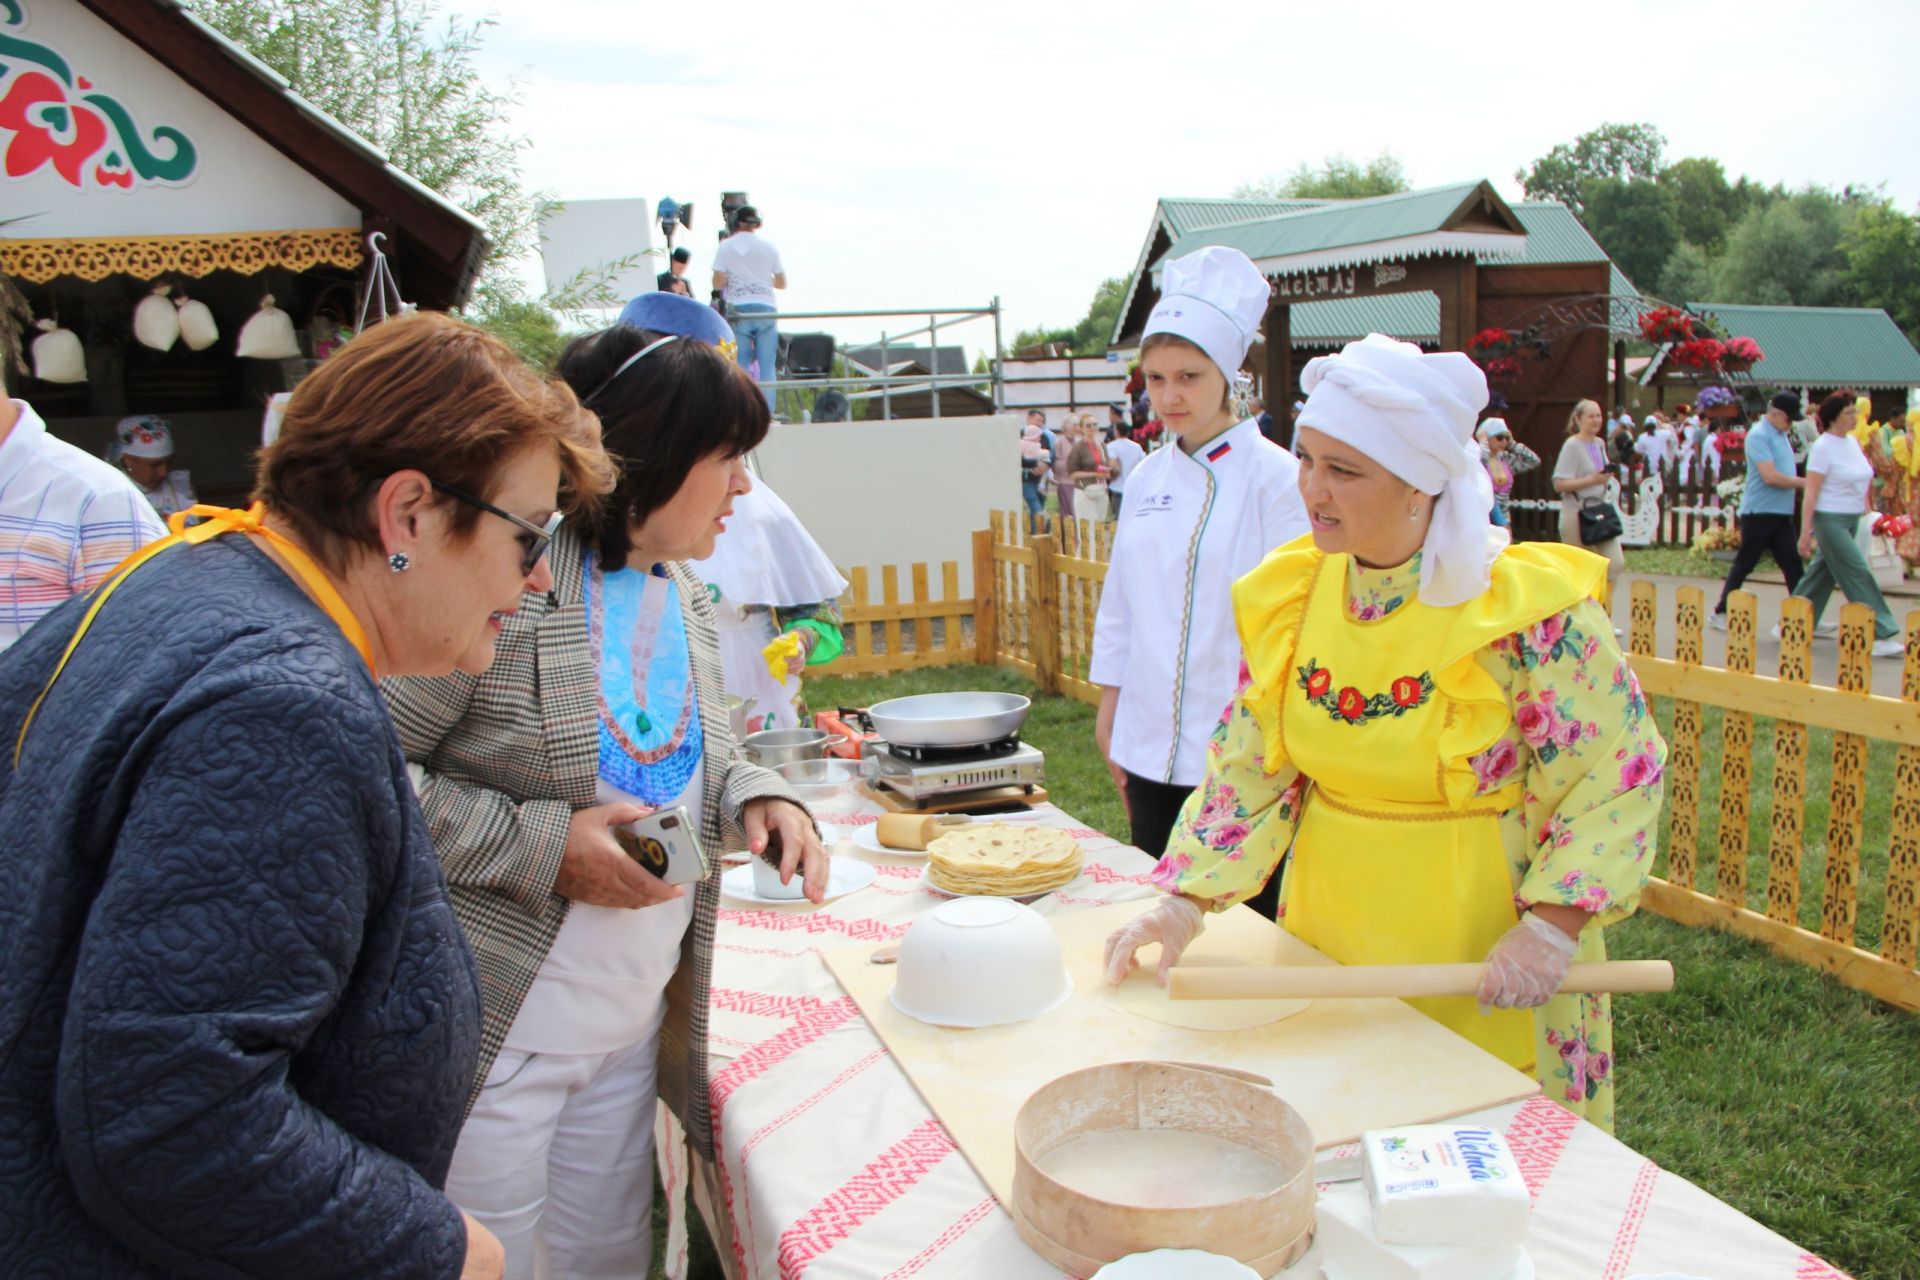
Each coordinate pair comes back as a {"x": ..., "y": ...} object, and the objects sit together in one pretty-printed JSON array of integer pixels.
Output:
[
  {"x": 1759, "y": 534},
  {"x": 1153, "y": 807}
]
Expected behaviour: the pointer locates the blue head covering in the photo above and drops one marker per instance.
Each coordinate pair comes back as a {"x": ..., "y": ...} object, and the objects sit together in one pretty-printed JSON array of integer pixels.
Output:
[{"x": 673, "y": 313}]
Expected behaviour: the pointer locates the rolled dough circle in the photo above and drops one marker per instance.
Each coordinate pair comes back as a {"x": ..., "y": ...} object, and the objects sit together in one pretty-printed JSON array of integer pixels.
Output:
[{"x": 1141, "y": 995}]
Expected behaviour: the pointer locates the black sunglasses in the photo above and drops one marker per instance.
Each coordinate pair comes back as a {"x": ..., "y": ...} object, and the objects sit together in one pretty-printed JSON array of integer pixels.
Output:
[{"x": 533, "y": 539}]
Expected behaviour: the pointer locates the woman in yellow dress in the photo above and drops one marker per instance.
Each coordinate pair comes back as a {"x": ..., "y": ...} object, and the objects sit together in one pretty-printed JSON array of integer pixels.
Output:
[
  {"x": 1906, "y": 486},
  {"x": 1437, "y": 726}
]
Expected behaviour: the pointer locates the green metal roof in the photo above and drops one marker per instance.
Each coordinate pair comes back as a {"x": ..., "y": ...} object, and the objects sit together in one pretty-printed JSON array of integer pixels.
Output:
[
  {"x": 1554, "y": 235},
  {"x": 1821, "y": 346},
  {"x": 1335, "y": 225},
  {"x": 1411, "y": 317},
  {"x": 1188, "y": 215}
]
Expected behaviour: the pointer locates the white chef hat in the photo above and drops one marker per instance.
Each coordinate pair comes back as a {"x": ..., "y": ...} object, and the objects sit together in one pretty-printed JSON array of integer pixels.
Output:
[
  {"x": 1215, "y": 298},
  {"x": 1413, "y": 413}
]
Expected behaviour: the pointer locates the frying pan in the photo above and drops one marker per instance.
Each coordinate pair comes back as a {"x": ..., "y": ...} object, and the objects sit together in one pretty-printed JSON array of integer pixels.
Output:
[{"x": 949, "y": 719}]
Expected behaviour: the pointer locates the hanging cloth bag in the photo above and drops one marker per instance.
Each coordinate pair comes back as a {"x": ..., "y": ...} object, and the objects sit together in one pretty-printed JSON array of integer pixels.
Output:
[
  {"x": 197, "y": 328},
  {"x": 156, "y": 323},
  {"x": 268, "y": 334},
  {"x": 57, "y": 356}
]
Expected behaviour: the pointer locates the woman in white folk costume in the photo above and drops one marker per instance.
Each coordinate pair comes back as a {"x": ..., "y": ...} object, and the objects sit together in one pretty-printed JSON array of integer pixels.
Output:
[
  {"x": 774, "y": 593},
  {"x": 1437, "y": 727},
  {"x": 143, "y": 447},
  {"x": 1195, "y": 517}
]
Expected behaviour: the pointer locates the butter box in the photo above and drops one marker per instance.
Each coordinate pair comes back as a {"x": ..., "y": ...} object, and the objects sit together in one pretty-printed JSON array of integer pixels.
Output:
[{"x": 1438, "y": 1184}]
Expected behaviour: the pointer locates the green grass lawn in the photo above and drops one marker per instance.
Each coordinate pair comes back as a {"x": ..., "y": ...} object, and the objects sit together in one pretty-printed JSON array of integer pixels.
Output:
[{"x": 1789, "y": 1096}]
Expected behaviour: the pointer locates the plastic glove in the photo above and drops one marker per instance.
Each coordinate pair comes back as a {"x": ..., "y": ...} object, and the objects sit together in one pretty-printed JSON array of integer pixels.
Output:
[
  {"x": 780, "y": 652},
  {"x": 1526, "y": 967},
  {"x": 1174, "y": 924}
]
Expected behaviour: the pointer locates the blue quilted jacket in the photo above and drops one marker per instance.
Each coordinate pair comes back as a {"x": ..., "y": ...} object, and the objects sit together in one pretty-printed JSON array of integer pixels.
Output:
[{"x": 237, "y": 1017}]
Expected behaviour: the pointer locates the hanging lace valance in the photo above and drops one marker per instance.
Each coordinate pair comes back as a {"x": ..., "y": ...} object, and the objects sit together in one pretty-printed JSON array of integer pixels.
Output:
[{"x": 151, "y": 257}]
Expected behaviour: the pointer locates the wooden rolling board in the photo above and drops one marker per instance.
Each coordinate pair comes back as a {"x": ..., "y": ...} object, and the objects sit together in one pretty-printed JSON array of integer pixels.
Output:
[{"x": 1346, "y": 1065}]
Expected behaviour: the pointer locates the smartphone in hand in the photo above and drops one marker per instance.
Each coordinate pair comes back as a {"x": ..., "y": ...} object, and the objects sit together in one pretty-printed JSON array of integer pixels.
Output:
[{"x": 666, "y": 845}]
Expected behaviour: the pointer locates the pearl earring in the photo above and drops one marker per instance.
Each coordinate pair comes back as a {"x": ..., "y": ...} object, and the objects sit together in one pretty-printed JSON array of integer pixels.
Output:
[
  {"x": 398, "y": 562},
  {"x": 1413, "y": 513}
]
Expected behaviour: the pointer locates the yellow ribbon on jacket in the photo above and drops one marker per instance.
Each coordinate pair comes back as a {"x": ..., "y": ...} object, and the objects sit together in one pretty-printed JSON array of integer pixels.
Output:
[{"x": 214, "y": 521}]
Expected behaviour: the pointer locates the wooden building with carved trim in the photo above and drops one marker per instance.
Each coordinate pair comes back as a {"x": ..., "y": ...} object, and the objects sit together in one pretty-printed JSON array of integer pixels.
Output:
[
  {"x": 140, "y": 147},
  {"x": 1433, "y": 267}
]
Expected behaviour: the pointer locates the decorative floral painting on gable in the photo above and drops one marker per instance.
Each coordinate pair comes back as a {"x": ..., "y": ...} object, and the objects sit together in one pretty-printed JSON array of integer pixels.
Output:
[{"x": 53, "y": 117}]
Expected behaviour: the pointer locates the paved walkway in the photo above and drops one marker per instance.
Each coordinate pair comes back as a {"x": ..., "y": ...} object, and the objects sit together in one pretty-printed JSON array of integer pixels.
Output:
[{"x": 1770, "y": 589}]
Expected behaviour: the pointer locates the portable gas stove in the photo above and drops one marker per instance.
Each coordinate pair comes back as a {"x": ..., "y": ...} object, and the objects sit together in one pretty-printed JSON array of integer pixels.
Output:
[{"x": 1007, "y": 773}]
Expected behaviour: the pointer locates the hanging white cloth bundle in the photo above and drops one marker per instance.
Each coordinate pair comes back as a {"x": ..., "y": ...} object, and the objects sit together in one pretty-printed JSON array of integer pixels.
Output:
[
  {"x": 197, "y": 328},
  {"x": 156, "y": 323},
  {"x": 268, "y": 334},
  {"x": 57, "y": 356}
]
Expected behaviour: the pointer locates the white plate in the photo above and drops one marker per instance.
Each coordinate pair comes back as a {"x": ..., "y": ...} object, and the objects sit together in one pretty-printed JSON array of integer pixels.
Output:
[
  {"x": 844, "y": 876},
  {"x": 1176, "y": 1264}
]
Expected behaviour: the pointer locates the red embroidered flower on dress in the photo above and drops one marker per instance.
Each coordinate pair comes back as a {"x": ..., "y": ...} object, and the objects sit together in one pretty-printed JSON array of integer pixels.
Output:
[
  {"x": 1407, "y": 691},
  {"x": 1318, "y": 682},
  {"x": 1352, "y": 703},
  {"x": 1353, "y": 706}
]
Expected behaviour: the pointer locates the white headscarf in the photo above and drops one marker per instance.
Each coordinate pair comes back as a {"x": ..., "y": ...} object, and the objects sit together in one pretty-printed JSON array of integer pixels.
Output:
[
  {"x": 1215, "y": 298},
  {"x": 1413, "y": 413}
]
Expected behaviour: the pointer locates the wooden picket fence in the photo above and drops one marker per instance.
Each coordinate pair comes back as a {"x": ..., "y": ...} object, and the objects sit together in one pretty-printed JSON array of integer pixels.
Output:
[
  {"x": 1036, "y": 598},
  {"x": 1856, "y": 718}
]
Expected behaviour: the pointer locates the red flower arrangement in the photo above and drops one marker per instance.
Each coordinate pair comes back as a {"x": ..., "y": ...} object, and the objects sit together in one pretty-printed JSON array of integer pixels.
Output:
[
  {"x": 1666, "y": 324},
  {"x": 1503, "y": 367},
  {"x": 1700, "y": 353},
  {"x": 1490, "y": 340},
  {"x": 1742, "y": 353},
  {"x": 1732, "y": 442}
]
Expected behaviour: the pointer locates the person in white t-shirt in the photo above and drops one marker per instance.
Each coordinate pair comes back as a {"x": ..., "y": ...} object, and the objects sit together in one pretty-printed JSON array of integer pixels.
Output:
[
  {"x": 1652, "y": 447},
  {"x": 746, "y": 271},
  {"x": 1123, "y": 455},
  {"x": 1839, "y": 478}
]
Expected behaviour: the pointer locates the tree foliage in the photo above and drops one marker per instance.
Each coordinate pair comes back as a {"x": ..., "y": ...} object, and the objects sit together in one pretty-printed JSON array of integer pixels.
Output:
[
  {"x": 1883, "y": 264},
  {"x": 1090, "y": 336},
  {"x": 1339, "y": 177},
  {"x": 1705, "y": 205},
  {"x": 1621, "y": 151},
  {"x": 1637, "y": 224},
  {"x": 1788, "y": 253}
]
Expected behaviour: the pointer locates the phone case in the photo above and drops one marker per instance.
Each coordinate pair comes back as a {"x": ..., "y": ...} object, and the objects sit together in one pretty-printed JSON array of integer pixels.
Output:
[{"x": 666, "y": 844}]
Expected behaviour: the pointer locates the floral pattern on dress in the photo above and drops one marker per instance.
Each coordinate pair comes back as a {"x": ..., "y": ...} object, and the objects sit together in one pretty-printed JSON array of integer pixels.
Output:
[
  {"x": 1373, "y": 594},
  {"x": 1591, "y": 765}
]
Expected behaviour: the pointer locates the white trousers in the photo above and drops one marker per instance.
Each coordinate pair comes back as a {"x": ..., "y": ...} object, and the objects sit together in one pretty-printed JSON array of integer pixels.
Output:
[{"x": 557, "y": 1161}]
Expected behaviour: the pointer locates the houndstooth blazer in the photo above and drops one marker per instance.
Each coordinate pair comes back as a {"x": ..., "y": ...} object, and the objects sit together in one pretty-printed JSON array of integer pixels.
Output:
[{"x": 510, "y": 755}]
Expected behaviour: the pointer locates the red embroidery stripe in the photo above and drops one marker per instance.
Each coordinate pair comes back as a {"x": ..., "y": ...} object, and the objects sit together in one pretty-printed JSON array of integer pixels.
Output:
[
  {"x": 842, "y": 1212},
  {"x": 943, "y": 1241},
  {"x": 812, "y": 922},
  {"x": 1814, "y": 1267},
  {"x": 1628, "y": 1234},
  {"x": 1538, "y": 1135},
  {"x": 1100, "y": 873}
]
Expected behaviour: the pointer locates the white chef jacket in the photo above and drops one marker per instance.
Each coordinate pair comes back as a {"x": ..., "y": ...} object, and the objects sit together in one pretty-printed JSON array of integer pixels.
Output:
[{"x": 1189, "y": 526}]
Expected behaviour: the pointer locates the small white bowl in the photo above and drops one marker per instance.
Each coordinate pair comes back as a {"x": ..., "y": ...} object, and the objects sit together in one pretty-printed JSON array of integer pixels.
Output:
[
  {"x": 766, "y": 881},
  {"x": 819, "y": 779},
  {"x": 1176, "y": 1264},
  {"x": 979, "y": 962}
]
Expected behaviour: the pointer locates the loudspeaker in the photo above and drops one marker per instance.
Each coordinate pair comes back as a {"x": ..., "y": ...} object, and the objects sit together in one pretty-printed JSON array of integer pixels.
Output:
[
  {"x": 831, "y": 406},
  {"x": 809, "y": 355}
]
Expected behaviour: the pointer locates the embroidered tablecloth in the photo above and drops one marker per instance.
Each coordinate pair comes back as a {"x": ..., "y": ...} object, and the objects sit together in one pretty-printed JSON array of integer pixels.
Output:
[{"x": 831, "y": 1165}]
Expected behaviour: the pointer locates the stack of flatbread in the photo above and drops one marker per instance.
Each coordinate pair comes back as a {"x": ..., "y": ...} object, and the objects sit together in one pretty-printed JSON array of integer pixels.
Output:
[{"x": 1002, "y": 860}]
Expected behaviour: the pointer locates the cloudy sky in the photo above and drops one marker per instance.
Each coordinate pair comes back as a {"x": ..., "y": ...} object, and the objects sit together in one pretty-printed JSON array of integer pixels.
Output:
[{"x": 910, "y": 154}]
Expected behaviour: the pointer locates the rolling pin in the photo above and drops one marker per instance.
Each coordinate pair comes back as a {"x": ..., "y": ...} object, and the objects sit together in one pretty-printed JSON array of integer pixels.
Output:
[
  {"x": 914, "y": 830},
  {"x": 1314, "y": 982}
]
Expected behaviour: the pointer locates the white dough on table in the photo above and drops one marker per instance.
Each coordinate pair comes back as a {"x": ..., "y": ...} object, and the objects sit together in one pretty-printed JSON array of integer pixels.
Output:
[
  {"x": 1141, "y": 994},
  {"x": 1343, "y": 1237}
]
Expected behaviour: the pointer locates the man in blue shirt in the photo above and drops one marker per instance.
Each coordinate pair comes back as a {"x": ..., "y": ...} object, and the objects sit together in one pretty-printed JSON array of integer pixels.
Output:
[{"x": 1766, "y": 508}]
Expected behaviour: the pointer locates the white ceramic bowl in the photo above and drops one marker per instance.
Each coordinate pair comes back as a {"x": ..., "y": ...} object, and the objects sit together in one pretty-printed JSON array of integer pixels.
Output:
[
  {"x": 819, "y": 779},
  {"x": 766, "y": 881},
  {"x": 979, "y": 962}
]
